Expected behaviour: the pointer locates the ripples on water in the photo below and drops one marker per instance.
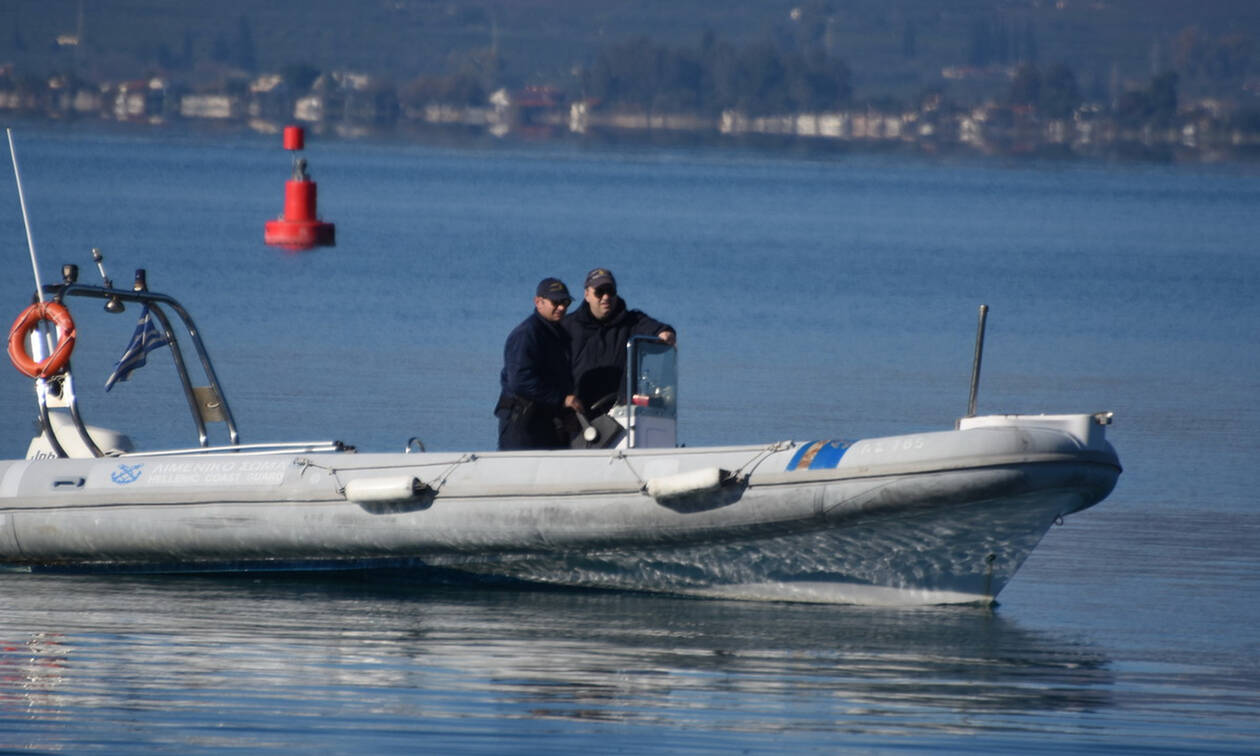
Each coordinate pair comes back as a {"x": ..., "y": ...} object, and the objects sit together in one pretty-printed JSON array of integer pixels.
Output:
[
  {"x": 150, "y": 664},
  {"x": 342, "y": 665}
]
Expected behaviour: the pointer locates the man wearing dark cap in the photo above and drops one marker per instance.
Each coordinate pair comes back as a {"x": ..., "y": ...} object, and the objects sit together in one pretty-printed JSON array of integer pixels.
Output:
[
  {"x": 599, "y": 330},
  {"x": 536, "y": 386}
]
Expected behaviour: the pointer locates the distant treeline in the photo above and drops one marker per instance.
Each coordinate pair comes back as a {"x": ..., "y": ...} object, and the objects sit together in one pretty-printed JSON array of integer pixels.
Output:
[
  {"x": 1055, "y": 94},
  {"x": 715, "y": 76}
]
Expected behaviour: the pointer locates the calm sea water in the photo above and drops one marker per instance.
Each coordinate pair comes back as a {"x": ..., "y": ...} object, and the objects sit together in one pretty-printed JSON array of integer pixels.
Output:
[{"x": 815, "y": 297}]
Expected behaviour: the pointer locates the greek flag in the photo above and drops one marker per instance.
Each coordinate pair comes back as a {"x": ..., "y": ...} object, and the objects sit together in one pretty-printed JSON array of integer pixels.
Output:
[{"x": 146, "y": 338}]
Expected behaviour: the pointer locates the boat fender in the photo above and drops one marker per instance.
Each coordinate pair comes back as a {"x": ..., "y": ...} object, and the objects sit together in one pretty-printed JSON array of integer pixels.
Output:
[
  {"x": 26, "y": 323},
  {"x": 686, "y": 484},
  {"x": 398, "y": 488}
]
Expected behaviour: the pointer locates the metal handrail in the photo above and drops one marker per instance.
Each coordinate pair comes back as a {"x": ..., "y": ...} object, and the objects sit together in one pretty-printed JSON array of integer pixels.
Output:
[
  {"x": 154, "y": 301},
  {"x": 279, "y": 447}
]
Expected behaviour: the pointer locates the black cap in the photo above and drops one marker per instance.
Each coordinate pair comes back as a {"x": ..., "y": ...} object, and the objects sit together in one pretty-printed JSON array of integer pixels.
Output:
[
  {"x": 553, "y": 289},
  {"x": 599, "y": 277}
]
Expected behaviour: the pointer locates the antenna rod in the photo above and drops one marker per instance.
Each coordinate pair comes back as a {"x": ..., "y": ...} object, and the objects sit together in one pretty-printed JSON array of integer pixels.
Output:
[
  {"x": 975, "y": 363},
  {"x": 26, "y": 221}
]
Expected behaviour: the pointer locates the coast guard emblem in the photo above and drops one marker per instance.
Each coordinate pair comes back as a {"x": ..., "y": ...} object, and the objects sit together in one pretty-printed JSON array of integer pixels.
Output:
[{"x": 126, "y": 474}]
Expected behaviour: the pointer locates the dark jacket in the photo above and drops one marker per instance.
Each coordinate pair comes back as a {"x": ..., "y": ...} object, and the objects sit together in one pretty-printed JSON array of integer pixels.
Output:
[
  {"x": 533, "y": 384},
  {"x": 536, "y": 362},
  {"x": 599, "y": 348}
]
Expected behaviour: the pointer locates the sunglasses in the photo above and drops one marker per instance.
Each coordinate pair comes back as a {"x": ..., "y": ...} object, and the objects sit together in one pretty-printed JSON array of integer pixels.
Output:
[
  {"x": 561, "y": 302},
  {"x": 606, "y": 291}
]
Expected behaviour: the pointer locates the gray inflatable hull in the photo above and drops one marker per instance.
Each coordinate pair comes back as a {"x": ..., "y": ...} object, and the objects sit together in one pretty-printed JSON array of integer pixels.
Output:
[{"x": 943, "y": 517}]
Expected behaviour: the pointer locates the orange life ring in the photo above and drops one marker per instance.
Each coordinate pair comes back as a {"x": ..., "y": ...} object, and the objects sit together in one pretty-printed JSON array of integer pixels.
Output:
[{"x": 27, "y": 322}]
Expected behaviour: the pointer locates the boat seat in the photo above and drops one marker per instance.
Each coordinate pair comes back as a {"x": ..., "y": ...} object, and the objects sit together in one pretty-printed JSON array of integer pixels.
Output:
[{"x": 110, "y": 442}]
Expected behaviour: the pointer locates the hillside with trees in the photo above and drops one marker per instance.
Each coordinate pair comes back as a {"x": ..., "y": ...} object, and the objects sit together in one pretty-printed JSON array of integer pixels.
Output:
[{"x": 1141, "y": 64}]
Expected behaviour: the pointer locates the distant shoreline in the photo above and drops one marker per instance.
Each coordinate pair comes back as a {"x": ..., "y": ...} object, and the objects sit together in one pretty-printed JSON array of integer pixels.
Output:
[{"x": 463, "y": 135}]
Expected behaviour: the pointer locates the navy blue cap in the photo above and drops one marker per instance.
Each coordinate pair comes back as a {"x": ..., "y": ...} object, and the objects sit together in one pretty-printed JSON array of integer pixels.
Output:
[
  {"x": 599, "y": 277},
  {"x": 553, "y": 289}
]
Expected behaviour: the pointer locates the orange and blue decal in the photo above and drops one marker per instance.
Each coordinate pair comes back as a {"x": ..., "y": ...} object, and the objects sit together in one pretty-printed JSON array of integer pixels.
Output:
[{"x": 819, "y": 455}]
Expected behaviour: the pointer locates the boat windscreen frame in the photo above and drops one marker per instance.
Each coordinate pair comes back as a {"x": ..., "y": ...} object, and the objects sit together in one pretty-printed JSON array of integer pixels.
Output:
[
  {"x": 155, "y": 302},
  {"x": 661, "y": 400}
]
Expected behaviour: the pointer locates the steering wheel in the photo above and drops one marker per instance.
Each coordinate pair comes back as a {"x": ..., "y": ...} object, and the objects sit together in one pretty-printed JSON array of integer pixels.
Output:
[
  {"x": 601, "y": 405},
  {"x": 592, "y": 429}
]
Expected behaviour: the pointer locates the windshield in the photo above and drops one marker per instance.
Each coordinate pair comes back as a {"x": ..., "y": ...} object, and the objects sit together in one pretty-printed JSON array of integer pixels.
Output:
[{"x": 654, "y": 377}]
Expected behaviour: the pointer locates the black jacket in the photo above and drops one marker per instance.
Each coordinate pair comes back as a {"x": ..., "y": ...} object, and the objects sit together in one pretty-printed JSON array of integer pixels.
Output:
[{"x": 599, "y": 348}]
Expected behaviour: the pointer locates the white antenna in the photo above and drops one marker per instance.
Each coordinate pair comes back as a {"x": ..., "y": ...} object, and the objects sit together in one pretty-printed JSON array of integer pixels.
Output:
[{"x": 26, "y": 221}]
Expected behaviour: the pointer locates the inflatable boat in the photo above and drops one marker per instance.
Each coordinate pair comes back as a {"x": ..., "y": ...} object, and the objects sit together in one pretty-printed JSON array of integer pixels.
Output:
[{"x": 925, "y": 518}]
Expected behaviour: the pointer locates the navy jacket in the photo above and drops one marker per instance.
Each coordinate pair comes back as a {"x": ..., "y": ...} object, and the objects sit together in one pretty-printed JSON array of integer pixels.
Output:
[
  {"x": 536, "y": 363},
  {"x": 599, "y": 348}
]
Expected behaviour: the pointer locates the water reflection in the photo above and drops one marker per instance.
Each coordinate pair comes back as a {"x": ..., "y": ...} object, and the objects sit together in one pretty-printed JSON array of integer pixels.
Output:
[{"x": 388, "y": 658}]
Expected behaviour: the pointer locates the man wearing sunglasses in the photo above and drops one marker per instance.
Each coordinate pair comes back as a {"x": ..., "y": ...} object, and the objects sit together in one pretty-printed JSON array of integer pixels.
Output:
[
  {"x": 536, "y": 386},
  {"x": 599, "y": 329}
]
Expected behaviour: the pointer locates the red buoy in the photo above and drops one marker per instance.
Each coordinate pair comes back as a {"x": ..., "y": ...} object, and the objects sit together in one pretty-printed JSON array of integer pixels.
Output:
[
  {"x": 293, "y": 138},
  {"x": 300, "y": 226}
]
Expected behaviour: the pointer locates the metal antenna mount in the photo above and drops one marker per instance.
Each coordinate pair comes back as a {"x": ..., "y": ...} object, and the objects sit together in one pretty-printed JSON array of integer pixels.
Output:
[{"x": 113, "y": 304}]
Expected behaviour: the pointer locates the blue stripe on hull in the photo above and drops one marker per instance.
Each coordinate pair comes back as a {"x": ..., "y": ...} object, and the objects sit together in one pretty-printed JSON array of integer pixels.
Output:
[{"x": 819, "y": 455}]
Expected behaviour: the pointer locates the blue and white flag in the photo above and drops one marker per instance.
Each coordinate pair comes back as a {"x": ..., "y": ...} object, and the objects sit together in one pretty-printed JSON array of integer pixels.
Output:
[{"x": 146, "y": 338}]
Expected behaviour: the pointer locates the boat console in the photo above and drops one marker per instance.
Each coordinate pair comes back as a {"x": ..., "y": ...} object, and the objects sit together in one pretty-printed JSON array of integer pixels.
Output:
[{"x": 648, "y": 416}]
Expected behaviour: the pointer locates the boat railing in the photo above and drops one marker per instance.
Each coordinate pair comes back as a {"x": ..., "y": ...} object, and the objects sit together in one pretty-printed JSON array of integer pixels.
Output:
[
  {"x": 297, "y": 447},
  {"x": 207, "y": 402}
]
